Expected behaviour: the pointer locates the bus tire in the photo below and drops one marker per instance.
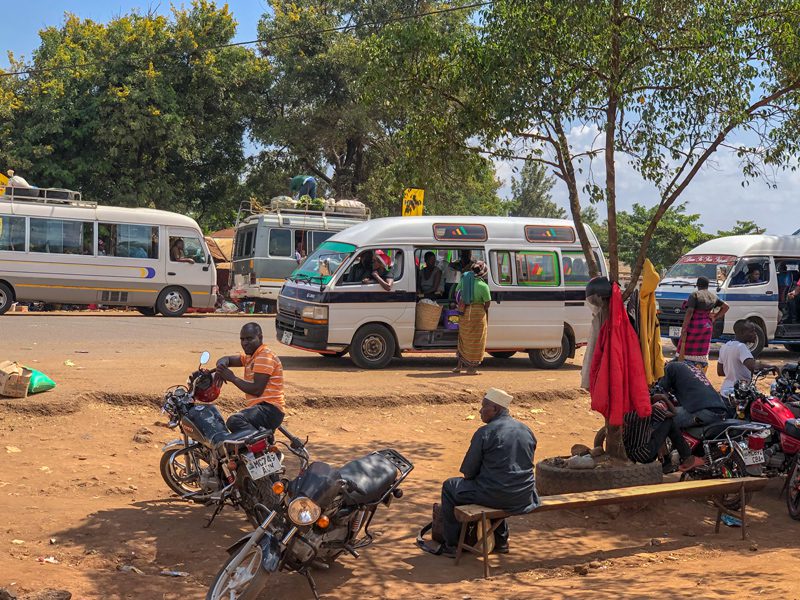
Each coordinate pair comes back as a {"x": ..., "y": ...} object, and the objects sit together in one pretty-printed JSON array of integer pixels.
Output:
[
  {"x": 373, "y": 347},
  {"x": 6, "y": 298},
  {"x": 508, "y": 354},
  {"x": 550, "y": 358},
  {"x": 172, "y": 302},
  {"x": 761, "y": 339}
]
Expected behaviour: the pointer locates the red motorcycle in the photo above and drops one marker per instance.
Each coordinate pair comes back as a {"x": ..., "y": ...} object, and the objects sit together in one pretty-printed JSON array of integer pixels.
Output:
[{"x": 783, "y": 446}]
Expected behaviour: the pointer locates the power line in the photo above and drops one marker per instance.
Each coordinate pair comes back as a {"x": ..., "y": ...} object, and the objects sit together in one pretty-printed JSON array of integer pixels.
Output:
[{"x": 278, "y": 38}]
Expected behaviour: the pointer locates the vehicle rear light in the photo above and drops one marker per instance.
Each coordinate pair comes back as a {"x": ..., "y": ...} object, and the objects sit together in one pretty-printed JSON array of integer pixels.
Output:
[
  {"x": 259, "y": 446},
  {"x": 756, "y": 442}
]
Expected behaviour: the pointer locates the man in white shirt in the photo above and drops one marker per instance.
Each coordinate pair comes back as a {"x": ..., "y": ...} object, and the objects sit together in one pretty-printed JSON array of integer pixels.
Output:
[{"x": 736, "y": 362}]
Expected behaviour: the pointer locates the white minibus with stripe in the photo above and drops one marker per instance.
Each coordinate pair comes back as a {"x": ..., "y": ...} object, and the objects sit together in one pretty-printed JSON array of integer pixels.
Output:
[
  {"x": 537, "y": 277},
  {"x": 57, "y": 248}
]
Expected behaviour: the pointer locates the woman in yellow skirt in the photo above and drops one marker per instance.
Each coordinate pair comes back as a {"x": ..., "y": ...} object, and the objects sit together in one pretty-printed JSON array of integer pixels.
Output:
[{"x": 473, "y": 302}]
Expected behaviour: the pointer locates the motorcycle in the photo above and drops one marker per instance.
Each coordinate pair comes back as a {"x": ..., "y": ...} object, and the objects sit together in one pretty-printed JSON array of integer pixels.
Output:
[
  {"x": 209, "y": 464},
  {"x": 787, "y": 387},
  {"x": 322, "y": 513}
]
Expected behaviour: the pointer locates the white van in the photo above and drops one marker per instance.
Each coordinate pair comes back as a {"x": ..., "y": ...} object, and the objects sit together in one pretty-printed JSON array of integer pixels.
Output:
[
  {"x": 752, "y": 274},
  {"x": 537, "y": 278}
]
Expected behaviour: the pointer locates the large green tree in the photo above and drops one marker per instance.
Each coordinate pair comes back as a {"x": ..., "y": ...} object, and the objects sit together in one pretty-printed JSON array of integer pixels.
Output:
[
  {"x": 530, "y": 194},
  {"x": 136, "y": 111}
]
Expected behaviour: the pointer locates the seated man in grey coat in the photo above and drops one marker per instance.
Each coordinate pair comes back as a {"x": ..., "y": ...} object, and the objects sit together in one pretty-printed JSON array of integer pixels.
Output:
[{"x": 498, "y": 471}]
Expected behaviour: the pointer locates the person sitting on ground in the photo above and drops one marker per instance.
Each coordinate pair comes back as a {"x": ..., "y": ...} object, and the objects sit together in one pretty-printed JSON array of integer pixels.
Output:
[
  {"x": 176, "y": 252},
  {"x": 700, "y": 404},
  {"x": 262, "y": 382},
  {"x": 644, "y": 438},
  {"x": 736, "y": 362},
  {"x": 381, "y": 263},
  {"x": 362, "y": 269},
  {"x": 497, "y": 469},
  {"x": 429, "y": 278}
]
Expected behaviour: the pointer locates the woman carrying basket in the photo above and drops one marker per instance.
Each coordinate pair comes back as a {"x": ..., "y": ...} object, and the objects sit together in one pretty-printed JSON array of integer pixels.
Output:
[{"x": 473, "y": 298}]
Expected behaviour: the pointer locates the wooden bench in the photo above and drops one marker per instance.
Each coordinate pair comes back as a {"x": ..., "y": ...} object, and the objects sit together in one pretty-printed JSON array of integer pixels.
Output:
[{"x": 490, "y": 518}]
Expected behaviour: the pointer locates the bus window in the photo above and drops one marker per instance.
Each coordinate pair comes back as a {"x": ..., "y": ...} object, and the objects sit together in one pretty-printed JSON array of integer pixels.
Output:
[
  {"x": 12, "y": 234},
  {"x": 247, "y": 250},
  {"x": 501, "y": 267},
  {"x": 280, "y": 242},
  {"x": 316, "y": 238},
  {"x": 537, "y": 268},
  {"x": 127, "y": 241},
  {"x": 55, "y": 236},
  {"x": 576, "y": 271}
]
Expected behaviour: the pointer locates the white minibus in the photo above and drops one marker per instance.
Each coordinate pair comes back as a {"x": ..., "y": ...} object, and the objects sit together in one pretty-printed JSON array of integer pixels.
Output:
[
  {"x": 753, "y": 275},
  {"x": 57, "y": 248},
  {"x": 537, "y": 277}
]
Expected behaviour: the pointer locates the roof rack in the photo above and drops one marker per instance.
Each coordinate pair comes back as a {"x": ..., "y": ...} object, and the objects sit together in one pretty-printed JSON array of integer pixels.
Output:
[{"x": 52, "y": 196}]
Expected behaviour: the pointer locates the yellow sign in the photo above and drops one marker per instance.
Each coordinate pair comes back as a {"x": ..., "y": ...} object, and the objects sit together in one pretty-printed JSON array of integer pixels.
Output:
[
  {"x": 413, "y": 199},
  {"x": 3, "y": 182}
]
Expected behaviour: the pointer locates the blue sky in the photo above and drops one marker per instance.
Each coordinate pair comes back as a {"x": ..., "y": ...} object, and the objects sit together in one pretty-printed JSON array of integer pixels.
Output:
[{"x": 716, "y": 193}]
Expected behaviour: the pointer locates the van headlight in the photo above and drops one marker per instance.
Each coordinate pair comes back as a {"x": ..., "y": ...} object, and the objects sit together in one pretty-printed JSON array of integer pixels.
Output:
[
  {"x": 303, "y": 511},
  {"x": 315, "y": 314}
]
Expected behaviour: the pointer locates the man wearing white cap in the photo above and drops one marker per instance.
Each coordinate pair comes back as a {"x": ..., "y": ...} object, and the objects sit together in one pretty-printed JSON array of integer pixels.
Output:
[{"x": 498, "y": 471}]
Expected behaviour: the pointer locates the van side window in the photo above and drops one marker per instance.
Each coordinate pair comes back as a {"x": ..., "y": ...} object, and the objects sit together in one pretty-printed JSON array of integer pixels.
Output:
[
  {"x": 361, "y": 270},
  {"x": 129, "y": 241},
  {"x": 537, "y": 269},
  {"x": 280, "y": 242},
  {"x": 55, "y": 236},
  {"x": 576, "y": 271},
  {"x": 501, "y": 267},
  {"x": 750, "y": 271},
  {"x": 12, "y": 234}
]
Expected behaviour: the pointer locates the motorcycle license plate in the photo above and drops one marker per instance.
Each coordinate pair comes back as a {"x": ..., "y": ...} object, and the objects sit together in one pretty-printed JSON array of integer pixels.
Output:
[
  {"x": 675, "y": 332},
  {"x": 287, "y": 338},
  {"x": 263, "y": 465},
  {"x": 753, "y": 457}
]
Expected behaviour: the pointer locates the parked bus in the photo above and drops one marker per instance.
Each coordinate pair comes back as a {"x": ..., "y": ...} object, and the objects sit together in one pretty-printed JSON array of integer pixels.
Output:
[
  {"x": 752, "y": 274},
  {"x": 57, "y": 248},
  {"x": 537, "y": 278},
  {"x": 266, "y": 246}
]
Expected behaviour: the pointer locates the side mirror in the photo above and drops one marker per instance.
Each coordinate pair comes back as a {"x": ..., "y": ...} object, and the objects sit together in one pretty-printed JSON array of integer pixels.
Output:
[{"x": 204, "y": 357}]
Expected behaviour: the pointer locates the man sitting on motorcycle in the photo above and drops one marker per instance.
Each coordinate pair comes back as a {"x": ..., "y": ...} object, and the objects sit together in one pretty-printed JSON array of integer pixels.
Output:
[
  {"x": 700, "y": 404},
  {"x": 498, "y": 471},
  {"x": 736, "y": 362},
  {"x": 262, "y": 382}
]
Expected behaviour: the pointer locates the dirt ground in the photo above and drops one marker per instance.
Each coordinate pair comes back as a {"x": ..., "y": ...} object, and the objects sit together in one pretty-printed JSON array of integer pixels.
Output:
[{"x": 77, "y": 488}]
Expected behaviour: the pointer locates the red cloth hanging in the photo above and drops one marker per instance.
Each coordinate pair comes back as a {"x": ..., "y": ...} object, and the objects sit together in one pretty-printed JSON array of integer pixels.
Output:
[{"x": 617, "y": 380}]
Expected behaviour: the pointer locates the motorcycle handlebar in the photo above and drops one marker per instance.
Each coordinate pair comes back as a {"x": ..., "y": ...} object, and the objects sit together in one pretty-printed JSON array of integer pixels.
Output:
[{"x": 294, "y": 441}]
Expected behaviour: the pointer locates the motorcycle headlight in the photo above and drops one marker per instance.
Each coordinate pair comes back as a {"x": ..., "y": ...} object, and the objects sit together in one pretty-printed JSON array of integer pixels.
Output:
[{"x": 303, "y": 511}]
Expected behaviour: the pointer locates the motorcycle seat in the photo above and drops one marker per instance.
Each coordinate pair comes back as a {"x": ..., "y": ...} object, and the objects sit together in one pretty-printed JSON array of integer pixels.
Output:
[
  {"x": 793, "y": 428},
  {"x": 373, "y": 474},
  {"x": 713, "y": 430},
  {"x": 226, "y": 436},
  {"x": 695, "y": 432}
]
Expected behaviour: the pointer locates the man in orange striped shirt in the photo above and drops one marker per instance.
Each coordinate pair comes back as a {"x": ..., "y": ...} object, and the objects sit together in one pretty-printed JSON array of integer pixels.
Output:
[{"x": 262, "y": 382}]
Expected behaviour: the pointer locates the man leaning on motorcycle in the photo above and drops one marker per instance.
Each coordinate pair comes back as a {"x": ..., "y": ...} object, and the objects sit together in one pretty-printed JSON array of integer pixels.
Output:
[{"x": 262, "y": 382}]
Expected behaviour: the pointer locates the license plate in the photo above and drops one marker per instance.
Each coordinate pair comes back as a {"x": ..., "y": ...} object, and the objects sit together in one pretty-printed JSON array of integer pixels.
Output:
[
  {"x": 675, "y": 332},
  {"x": 287, "y": 338},
  {"x": 752, "y": 457},
  {"x": 263, "y": 465}
]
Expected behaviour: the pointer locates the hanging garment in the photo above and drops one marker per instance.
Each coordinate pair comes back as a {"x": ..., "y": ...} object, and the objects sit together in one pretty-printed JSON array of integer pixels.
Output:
[{"x": 649, "y": 328}]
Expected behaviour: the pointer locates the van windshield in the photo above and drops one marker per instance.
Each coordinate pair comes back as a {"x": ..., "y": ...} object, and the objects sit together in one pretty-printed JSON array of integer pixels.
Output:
[
  {"x": 322, "y": 265},
  {"x": 715, "y": 267}
]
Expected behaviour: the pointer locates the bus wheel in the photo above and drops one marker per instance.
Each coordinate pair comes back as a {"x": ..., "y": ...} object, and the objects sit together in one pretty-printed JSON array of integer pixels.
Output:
[
  {"x": 550, "y": 358},
  {"x": 6, "y": 298},
  {"x": 761, "y": 340},
  {"x": 147, "y": 311},
  {"x": 172, "y": 302},
  {"x": 373, "y": 347}
]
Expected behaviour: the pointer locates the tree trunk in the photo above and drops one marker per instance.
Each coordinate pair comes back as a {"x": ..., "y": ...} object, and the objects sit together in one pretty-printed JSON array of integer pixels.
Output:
[
  {"x": 611, "y": 130},
  {"x": 568, "y": 174}
]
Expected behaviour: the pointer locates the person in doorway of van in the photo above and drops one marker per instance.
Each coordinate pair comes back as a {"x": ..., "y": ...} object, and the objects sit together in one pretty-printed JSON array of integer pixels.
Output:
[
  {"x": 262, "y": 382},
  {"x": 303, "y": 185},
  {"x": 736, "y": 362},
  {"x": 474, "y": 298},
  {"x": 702, "y": 309}
]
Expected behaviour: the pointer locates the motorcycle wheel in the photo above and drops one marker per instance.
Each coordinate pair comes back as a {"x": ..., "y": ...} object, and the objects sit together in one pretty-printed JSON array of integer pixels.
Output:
[
  {"x": 255, "y": 492},
  {"x": 240, "y": 578},
  {"x": 175, "y": 475},
  {"x": 793, "y": 492}
]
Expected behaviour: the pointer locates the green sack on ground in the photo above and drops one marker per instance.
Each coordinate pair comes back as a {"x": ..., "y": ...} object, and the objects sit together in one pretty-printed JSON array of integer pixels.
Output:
[{"x": 40, "y": 382}]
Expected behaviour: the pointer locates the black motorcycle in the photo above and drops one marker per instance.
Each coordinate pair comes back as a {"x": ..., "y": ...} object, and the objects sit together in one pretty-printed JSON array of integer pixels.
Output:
[
  {"x": 209, "y": 464},
  {"x": 323, "y": 513}
]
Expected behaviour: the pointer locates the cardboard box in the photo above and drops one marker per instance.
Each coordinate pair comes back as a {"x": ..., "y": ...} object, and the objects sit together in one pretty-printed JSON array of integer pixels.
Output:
[{"x": 14, "y": 379}]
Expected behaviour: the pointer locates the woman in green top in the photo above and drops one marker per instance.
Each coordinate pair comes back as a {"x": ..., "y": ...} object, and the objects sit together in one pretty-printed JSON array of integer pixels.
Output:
[{"x": 474, "y": 299}]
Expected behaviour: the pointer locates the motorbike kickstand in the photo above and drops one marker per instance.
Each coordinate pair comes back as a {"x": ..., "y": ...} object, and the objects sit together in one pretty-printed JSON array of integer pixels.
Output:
[
  {"x": 217, "y": 510},
  {"x": 311, "y": 583}
]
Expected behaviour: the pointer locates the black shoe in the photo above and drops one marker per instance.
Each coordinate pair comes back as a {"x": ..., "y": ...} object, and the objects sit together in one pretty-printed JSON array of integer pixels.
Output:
[{"x": 502, "y": 549}]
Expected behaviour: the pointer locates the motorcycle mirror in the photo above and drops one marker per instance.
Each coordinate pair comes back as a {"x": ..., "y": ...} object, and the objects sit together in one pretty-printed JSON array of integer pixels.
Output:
[{"x": 204, "y": 357}]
